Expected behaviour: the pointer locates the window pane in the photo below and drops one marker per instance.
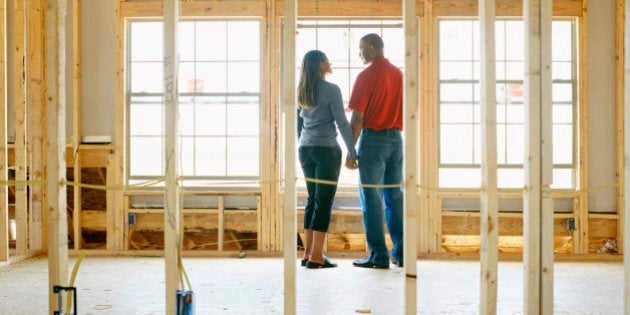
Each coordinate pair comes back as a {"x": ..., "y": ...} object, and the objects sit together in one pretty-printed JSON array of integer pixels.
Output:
[
  {"x": 210, "y": 116},
  {"x": 562, "y": 70},
  {"x": 456, "y": 71},
  {"x": 562, "y": 178},
  {"x": 211, "y": 42},
  {"x": 146, "y": 155},
  {"x": 562, "y": 114},
  {"x": 243, "y": 77},
  {"x": 146, "y": 77},
  {"x": 146, "y": 119},
  {"x": 242, "y": 116},
  {"x": 510, "y": 178},
  {"x": 213, "y": 76},
  {"x": 243, "y": 156},
  {"x": 394, "y": 45},
  {"x": 210, "y": 156},
  {"x": 341, "y": 79},
  {"x": 516, "y": 114},
  {"x": 562, "y": 92},
  {"x": 186, "y": 80},
  {"x": 244, "y": 41},
  {"x": 460, "y": 177},
  {"x": 456, "y": 143},
  {"x": 186, "y": 41},
  {"x": 514, "y": 71},
  {"x": 187, "y": 162},
  {"x": 561, "y": 40},
  {"x": 514, "y": 40},
  {"x": 456, "y": 92},
  {"x": 501, "y": 144},
  {"x": 562, "y": 144},
  {"x": 515, "y": 143},
  {"x": 304, "y": 43},
  {"x": 456, "y": 113},
  {"x": 146, "y": 41},
  {"x": 336, "y": 50},
  {"x": 186, "y": 118},
  {"x": 456, "y": 40}
]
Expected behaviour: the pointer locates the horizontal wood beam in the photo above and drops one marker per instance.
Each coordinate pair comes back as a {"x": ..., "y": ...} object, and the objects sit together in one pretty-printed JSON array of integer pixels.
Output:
[{"x": 195, "y": 8}]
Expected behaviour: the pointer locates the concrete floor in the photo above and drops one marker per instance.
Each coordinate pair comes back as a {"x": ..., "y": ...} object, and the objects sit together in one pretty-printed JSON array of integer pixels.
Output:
[{"x": 134, "y": 285}]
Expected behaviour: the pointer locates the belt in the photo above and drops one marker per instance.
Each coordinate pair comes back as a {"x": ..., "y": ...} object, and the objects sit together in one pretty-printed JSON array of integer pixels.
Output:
[{"x": 389, "y": 130}]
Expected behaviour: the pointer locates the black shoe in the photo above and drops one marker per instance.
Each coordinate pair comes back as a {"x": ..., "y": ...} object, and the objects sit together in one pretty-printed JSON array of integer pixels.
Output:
[
  {"x": 366, "y": 263},
  {"x": 327, "y": 264},
  {"x": 303, "y": 262},
  {"x": 398, "y": 263}
]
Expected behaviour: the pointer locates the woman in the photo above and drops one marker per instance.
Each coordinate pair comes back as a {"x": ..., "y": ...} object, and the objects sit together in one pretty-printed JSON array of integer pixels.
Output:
[{"x": 320, "y": 108}]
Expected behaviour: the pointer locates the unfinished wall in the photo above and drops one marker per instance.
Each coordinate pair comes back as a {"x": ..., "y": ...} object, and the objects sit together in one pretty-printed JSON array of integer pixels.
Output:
[
  {"x": 98, "y": 60},
  {"x": 601, "y": 102}
]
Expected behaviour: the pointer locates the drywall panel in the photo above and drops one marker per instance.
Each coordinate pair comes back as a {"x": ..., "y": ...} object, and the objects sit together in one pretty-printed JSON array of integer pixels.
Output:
[
  {"x": 98, "y": 60},
  {"x": 601, "y": 102}
]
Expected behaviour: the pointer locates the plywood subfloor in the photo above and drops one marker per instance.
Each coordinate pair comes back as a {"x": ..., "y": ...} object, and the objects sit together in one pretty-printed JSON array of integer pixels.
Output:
[{"x": 135, "y": 285}]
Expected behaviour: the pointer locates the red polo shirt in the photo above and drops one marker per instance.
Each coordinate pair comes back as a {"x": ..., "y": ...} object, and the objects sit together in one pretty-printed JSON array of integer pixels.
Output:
[{"x": 378, "y": 94}]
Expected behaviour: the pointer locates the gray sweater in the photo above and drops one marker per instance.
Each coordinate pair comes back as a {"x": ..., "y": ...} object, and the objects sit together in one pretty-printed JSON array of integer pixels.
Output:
[{"x": 316, "y": 126}]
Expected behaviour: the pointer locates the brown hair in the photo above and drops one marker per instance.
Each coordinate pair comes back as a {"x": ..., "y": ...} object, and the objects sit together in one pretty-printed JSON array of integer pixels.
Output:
[{"x": 309, "y": 76}]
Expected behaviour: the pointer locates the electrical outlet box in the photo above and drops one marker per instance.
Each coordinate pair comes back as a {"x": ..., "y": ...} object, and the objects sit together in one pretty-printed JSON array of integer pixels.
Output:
[
  {"x": 571, "y": 225},
  {"x": 131, "y": 219}
]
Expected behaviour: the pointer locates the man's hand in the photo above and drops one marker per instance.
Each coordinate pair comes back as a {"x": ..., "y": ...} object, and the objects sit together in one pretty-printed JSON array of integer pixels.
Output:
[{"x": 352, "y": 164}]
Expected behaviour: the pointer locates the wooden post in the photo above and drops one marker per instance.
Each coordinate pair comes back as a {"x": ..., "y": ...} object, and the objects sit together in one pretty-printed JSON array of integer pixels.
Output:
[
  {"x": 489, "y": 192},
  {"x": 221, "y": 224},
  {"x": 4, "y": 206},
  {"x": 76, "y": 124},
  {"x": 19, "y": 96},
  {"x": 290, "y": 132},
  {"x": 619, "y": 109},
  {"x": 36, "y": 125},
  {"x": 537, "y": 203},
  {"x": 626, "y": 168},
  {"x": 410, "y": 111},
  {"x": 172, "y": 211},
  {"x": 56, "y": 147},
  {"x": 580, "y": 235}
]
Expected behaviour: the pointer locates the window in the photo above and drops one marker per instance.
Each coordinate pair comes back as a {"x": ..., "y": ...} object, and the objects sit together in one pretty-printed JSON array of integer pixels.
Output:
[
  {"x": 219, "y": 99},
  {"x": 339, "y": 40},
  {"x": 459, "y": 108}
]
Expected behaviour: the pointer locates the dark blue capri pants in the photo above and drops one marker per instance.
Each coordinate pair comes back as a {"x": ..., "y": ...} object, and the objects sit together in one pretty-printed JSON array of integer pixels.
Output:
[{"x": 320, "y": 163}]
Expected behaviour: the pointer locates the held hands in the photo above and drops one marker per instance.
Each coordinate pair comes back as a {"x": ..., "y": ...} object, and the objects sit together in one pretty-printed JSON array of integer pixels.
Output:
[{"x": 352, "y": 164}]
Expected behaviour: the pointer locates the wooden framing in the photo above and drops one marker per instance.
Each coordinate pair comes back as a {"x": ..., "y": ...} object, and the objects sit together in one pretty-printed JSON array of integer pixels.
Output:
[
  {"x": 581, "y": 234},
  {"x": 537, "y": 202},
  {"x": 4, "y": 196},
  {"x": 411, "y": 118},
  {"x": 289, "y": 221},
  {"x": 76, "y": 124},
  {"x": 626, "y": 155},
  {"x": 620, "y": 114},
  {"x": 19, "y": 96},
  {"x": 36, "y": 126},
  {"x": 489, "y": 187},
  {"x": 173, "y": 235},
  {"x": 56, "y": 136}
]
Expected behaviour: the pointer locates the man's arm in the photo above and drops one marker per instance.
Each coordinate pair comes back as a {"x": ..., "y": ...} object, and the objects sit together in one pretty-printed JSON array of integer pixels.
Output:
[{"x": 356, "y": 123}]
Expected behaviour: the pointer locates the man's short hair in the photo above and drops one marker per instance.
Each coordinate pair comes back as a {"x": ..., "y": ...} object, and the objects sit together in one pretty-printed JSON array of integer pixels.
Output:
[{"x": 373, "y": 40}]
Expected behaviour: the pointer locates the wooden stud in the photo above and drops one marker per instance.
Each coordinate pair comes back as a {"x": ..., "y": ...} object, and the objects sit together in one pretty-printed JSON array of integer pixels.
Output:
[
  {"x": 117, "y": 165},
  {"x": 4, "y": 197},
  {"x": 290, "y": 130},
  {"x": 626, "y": 171},
  {"x": 56, "y": 149},
  {"x": 537, "y": 204},
  {"x": 489, "y": 187},
  {"x": 581, "y": 235},
  {"x": 221, "y": 224},
  {"x": 411, "y": 118},
  {"x": 36, "y": 126},
  {"x": 19, "y": 96},
  {"x": 76, "y": 124},
  {"x": 172, "y": 215},
  {"x": 619, "y": 108}
]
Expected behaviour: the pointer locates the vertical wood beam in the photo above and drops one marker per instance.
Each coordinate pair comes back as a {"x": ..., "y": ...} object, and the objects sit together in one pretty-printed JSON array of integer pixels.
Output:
[
  {"x": 56, "y": 148},
  {"x": 4, "y": 197},
  {"x": 581, "y": 235},
  {"x": 19, "y": 96},
  {"x": 290, "y": 131},
  {"x": 117, "y": 165},
  {"x": 619, "y": 108},
  {"x": 36, "y": 122},
  {"x": 221, "y": 225},
  {"x": 429, "y": 216},
  {"x": 410, "y": 113},
  {"x": 537, "y": 203},
  {"x": 626, "y": 163},
  {"x": 76, "y": 131},
  {"x": 489, "y": 247},
  {"x": 172, "y": 211},
  {"x": 268, "y": 230}
]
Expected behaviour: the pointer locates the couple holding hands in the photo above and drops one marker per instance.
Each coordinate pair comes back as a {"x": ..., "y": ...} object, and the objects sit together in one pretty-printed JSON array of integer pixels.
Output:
[{"x": 376, "y": 125}]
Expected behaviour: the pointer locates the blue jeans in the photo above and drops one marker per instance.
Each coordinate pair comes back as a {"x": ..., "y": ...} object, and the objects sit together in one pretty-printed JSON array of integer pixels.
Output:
[
  {"x": 320, "y": 163},
  {"x": 381, "y": 162}
]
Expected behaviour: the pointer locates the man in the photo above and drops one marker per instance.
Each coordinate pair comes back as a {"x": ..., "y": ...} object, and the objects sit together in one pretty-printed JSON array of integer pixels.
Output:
[{"x": 376, "y": 103}]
